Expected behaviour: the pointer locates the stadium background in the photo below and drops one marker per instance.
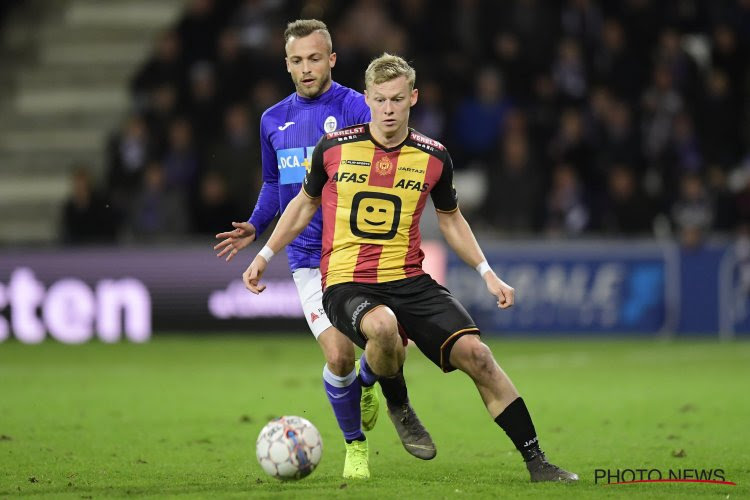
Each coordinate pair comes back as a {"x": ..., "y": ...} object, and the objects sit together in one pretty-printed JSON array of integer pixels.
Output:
[{"x": 601, "y": 151}]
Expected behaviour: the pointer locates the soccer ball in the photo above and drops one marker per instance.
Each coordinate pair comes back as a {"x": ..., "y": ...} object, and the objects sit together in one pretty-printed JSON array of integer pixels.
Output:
[{"x": 289, "y": 448}]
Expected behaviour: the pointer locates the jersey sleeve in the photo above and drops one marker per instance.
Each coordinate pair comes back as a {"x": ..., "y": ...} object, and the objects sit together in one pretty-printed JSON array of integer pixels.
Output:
[
  {"x": 444, "y": 195},
  {"x": 317, "y": 177},
  {"x": 267, "y": 206}
]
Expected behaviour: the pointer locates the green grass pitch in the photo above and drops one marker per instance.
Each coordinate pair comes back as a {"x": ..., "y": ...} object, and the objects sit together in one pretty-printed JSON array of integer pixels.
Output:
[{"x": 178, "y": 417}]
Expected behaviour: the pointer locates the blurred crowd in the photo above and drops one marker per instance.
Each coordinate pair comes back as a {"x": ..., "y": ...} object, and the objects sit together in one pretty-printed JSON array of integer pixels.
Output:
[{"x": 563, "y": 117}]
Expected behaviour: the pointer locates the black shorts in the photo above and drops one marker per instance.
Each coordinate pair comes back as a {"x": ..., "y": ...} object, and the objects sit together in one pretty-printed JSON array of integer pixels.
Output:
[{"x": 427, "y": 312}]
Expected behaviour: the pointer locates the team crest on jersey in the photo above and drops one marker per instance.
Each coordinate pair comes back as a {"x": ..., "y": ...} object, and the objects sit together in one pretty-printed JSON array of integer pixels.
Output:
[
  {"x": 330, "y": 124},
  {"x": 384, "y": 166}
]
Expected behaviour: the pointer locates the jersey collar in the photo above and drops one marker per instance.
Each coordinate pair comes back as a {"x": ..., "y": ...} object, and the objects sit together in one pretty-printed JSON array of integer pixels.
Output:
[
  {"x": 391, "y": 149},
  {"x": 312, "y": 101}
]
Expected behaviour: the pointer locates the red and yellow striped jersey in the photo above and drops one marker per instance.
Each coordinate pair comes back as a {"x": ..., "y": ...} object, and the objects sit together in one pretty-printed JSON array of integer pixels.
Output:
[{"x": 372, "y": 201}]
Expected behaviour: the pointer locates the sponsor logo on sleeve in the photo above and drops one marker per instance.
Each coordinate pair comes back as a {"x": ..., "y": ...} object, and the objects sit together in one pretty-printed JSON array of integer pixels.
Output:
[
  {"x": 419, "y": 138},
  {"x": 293, "y": 164},
  {"x": 347, "y": 131}
]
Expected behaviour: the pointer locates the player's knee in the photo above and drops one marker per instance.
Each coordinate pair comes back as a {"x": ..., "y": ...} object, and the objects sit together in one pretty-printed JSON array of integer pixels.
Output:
[
  {"x": 340, "y": 361},
  {"x": 478, "y": 358},
  {"x": 380, "y": 325}
]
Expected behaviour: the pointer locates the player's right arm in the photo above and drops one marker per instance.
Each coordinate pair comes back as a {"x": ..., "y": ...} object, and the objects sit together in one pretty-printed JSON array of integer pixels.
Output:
[
  {"x": 295, "y": 218},
  {"x": 266, "y": 207}
]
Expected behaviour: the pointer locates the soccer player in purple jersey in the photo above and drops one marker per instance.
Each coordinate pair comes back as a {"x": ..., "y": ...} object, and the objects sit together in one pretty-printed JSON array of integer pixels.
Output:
[{"x": 289, "y": 131}]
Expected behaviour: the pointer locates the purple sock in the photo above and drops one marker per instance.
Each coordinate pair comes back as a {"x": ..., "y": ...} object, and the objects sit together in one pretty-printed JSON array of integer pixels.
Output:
[
  {"x": 344, "y": 394},
  {"x": 366, "y": 374}
]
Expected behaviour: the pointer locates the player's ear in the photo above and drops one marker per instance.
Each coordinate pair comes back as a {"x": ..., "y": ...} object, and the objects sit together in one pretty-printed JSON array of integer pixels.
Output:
[
  {"x": 332, "y": 60},
  {"x": 288, "y": 69},
  {"x": 413, "y": 97}
]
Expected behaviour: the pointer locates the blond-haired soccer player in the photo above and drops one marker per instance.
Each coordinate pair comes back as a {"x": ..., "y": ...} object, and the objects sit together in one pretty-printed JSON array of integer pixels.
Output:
[
  {"x": 289, "y": 131},
  {"x": 372, "y": 181}
]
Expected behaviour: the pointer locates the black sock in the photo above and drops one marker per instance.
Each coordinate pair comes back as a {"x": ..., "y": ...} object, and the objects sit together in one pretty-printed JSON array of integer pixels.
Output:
[
  {"x": 360, "y": 438},
  {"x": 516, "y": 422},
  {"x": 394, "y": 389}
]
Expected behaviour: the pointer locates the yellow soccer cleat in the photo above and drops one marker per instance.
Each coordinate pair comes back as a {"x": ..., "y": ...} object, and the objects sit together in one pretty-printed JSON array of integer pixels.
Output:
[
  {"x": 357, "y": 462},
  {"x": 369, "y": 405}
]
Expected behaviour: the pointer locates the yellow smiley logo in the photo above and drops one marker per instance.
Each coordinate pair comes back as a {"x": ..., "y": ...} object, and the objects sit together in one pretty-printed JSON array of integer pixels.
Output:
[{"x": 375, "y": 215}]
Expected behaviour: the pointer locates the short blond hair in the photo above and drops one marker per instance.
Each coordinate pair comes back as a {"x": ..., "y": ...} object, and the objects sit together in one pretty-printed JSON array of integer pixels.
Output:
[
  {"x": 389, "y": 67},
  {"x": 304, "y": 27}
]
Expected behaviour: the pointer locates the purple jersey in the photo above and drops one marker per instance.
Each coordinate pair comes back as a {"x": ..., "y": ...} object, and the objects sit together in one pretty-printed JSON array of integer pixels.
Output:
[{"x": 289, "y": 132}]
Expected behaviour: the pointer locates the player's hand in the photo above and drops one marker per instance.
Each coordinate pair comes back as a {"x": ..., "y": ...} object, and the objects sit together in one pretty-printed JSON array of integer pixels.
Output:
[
  {"x": 253, "y": 273},
  {"x": 233, "y": 241},
  {"x": 506, "y": 294}
]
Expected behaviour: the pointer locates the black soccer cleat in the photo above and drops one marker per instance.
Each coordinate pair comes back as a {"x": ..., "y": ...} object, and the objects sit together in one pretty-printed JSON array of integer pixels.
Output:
[
  {"x": 541, "y": 470},
  {"x": 413, "y": 435}
]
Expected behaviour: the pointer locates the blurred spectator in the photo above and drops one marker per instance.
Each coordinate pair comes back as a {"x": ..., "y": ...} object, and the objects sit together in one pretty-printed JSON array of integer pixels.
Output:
[
  {"x": 157, "y": 212},
  {"x": 128, "y": 151},
  {"x": 641, "y": 19},
  {"x": 466, "y": 22},
  {"x": 479, "y": 119},
  {"x": 683, "y": 151},
  {"x": 205, "y": 109},
  {"x": 720, "y": 122},
  {"x": 686, "y": 15},
  {"x": 572, "y": 148},
  {"x": 427, "y": 25},
  {"x": 514, "y": 64},
  {"x": 692, "y": 213},
  {"x": 743, "y": 196},
  {"x": 596, "y": 112},
  {"x": 214, "y": 207},
  {"x": 162, "y": 110},
  {"x": 569, "y": 72},
  {"x": 198, "y": 30},
  {"x": 164, "y": 67},
  {"x": 351, "y": 58},
  {"x": 429, "y": 116},
  {"x": 671, "y": 56},
  {"x": 661, "y": 104},
  {"x": 232, "y": 76},
  {"x": 543, "y": 111},
  {"x": 255, "y": 21},
  {"x": 567, "y": 211},
  {"x": 725, "y": 211},
  {"x": 628, "y": 211},
  {"x": 536, "y": 23},
  {"x": 615, "y": 65},
  {"x": 86, "y": 217},
  {"x": 236, "y": 158},
  {"x": 582, "y": 20},
  {"x": 370, "y": 21},
  {"x": 181, "y": 167},
  {"x": 263, "y": 95},
  {"x": 619, "y": 139},
  {"x": 730, "y": 57},
  {"x": 514, "y": 188}
]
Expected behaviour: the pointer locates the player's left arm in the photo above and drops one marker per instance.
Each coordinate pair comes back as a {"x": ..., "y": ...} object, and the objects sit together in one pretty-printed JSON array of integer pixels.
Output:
[{"x": 460, "y": 237}]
